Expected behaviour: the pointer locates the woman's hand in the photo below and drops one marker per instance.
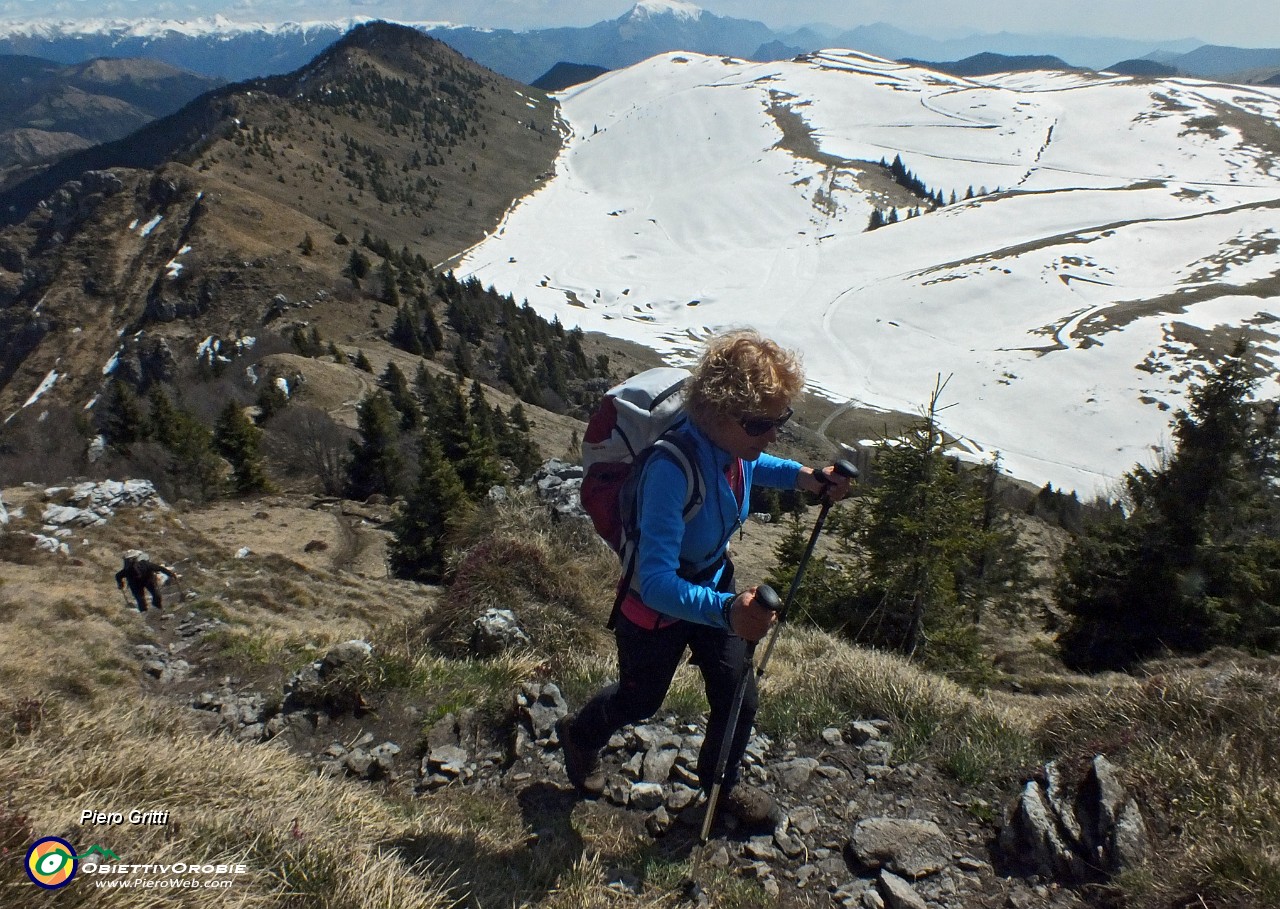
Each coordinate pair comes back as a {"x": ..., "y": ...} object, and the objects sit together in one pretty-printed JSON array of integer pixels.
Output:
[
  {"x": 748, "y": 618},
  {"x": 827, "y": 482}
]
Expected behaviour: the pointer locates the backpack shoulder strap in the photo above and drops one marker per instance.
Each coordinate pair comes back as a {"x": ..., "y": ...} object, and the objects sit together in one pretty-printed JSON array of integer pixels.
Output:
[{"x": 679, "y": 448}]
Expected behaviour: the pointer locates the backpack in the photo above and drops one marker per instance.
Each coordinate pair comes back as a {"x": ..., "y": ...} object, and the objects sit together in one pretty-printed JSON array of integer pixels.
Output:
[
  {"x": 630, "y": 423},
  {"x": 633, "y": 421}
]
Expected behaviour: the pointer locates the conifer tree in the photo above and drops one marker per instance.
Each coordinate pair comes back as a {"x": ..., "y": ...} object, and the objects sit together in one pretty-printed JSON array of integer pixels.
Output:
[
  {"x": 375, "y": 465},
  {"x": 472, "y": 452},
  {"x": 1195, "y": 563},
  {"x": 432, "y": 336},
  {"x": 430, "y": 399},
  {"x": 390, "y": 288},
  {"x": 923, "y": 533},
  {"x": 404, "y": 332},
  {"x": 396, "y": 386},
  {"x": 358, "y": 266},
  {"x": 238, "y": 440},
  {"x": 463, "y": 365},
  {"x": 478, "y": 409},
  {"x": 161, "y": 416},
  {"x": 120, "y": 416},
  {"x": 194, "y": 469},
  {"x": 271, "y": 398},
  {"x": 436, "y": 506},
  {"x": 452, "y": 428},
  {"x": 827, "y": 591}
]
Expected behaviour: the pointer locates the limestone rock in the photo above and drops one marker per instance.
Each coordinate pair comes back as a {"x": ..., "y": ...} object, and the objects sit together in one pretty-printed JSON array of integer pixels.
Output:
[{"x": 909, "y": 848}]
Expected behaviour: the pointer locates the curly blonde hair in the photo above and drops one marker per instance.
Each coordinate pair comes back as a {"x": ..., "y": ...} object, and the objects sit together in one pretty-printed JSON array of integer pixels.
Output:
[{"x": 742, "y": 373}]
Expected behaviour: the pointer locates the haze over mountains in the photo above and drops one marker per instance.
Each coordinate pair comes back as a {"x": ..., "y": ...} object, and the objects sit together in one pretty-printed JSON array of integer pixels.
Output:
[
  {"x": 236, "y": 50},
  {"x": 48, "y": 110}
]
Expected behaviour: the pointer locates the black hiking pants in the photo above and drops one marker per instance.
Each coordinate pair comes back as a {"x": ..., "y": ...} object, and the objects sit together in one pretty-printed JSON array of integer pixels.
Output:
[
  {"x": 647, "y": 662},
  {"x": 139, "y": 589}
]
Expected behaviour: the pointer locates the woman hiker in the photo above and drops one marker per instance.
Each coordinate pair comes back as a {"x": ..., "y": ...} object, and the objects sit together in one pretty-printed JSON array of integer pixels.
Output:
[{"x": 682, "y": 594}]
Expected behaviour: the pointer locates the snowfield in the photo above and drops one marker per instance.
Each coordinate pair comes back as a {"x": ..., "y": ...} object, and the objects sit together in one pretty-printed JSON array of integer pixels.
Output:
[{"x": 1129, "y": 228}]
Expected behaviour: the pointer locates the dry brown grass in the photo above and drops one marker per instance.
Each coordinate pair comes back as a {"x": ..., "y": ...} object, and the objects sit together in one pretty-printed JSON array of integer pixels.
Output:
[
  {"x": 66, "y": 630},
  {"x": 58, "y": 639},
  {"x": 815, "y": 680},
  {"x": 558, "y": 577},
  {"x": 306, "y": 840},
  {"x": 1193, "y": 738},
  {"x": 1197, "y": 746}
]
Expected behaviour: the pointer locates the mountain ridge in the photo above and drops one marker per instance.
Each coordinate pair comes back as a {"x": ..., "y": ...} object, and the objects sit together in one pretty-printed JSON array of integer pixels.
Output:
[
  {"x": 183, "y": 223},
  {"x": 222, "y": 47},
  {"x": 48, "y": 110}
]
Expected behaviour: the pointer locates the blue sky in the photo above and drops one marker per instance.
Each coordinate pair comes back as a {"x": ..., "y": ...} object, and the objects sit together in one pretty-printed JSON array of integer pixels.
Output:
[{"x": 1248, "y": 23}]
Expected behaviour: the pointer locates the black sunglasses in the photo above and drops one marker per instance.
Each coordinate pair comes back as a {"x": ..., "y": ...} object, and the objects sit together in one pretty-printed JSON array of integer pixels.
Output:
[{"x": 758, "y": 426}]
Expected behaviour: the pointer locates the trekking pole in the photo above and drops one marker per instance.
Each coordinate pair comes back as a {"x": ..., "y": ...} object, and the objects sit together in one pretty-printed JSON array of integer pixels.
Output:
[
  {"x": 767, "y": 597},
  {"x": 845, "y": 469}
]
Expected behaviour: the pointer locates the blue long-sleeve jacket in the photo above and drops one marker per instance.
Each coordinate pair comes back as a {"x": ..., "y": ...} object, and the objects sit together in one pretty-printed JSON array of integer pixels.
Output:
[{"x": 666, "y": 540}]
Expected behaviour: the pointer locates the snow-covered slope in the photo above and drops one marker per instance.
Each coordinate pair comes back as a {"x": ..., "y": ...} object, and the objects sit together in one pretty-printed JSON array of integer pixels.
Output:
[{"x": 1127, "y": 227}]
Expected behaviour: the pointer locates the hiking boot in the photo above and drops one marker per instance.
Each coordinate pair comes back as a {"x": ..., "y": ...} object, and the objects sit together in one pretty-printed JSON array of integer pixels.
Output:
[
  {"x": 753, "y": 807},
  {"x": 581, "y": 764}
]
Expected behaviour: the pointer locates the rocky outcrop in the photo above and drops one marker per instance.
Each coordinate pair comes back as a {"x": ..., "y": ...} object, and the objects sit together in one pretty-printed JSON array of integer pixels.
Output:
[
  {"x": 1076, "y": 834},
  {"x": 908, "y": 848},
  {"x": 559, "y": 485},
  {"x": 362, "y": 759},
  {"x": 76, "y": 200},
  {"x": 497, "y": 631},
  {"x": 144, "y": 361},
  {"x": 89, "y": 505},
  {"x": 332, "y": 683}
]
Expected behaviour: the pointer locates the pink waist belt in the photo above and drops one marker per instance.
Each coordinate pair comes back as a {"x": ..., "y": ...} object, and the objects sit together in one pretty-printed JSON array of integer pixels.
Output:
[{"x": 644, "y": 616}]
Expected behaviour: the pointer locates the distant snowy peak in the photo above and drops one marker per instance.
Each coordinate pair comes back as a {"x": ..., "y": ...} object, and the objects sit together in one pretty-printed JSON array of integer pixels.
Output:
[
  {"x": 650, "y": 9},
  {"x": 145, "y": 28},
  {"x": 212, "y": 26}
]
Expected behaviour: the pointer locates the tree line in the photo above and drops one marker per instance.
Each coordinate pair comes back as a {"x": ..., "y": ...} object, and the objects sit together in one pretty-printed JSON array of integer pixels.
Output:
[{"x": 930, "y": 199}]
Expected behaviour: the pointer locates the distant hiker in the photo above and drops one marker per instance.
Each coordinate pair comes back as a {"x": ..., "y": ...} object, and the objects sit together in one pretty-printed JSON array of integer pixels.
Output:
[
  {"x": 141, "y": 573},
  {"x": 682, "y": 594}
]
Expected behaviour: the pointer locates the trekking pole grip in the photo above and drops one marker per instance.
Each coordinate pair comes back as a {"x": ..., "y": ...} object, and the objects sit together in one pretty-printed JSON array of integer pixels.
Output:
[
  {"x": 846, "y": 469},
  {"x": 841, "y": 466},
  {"x": 768, "y": 598}
]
